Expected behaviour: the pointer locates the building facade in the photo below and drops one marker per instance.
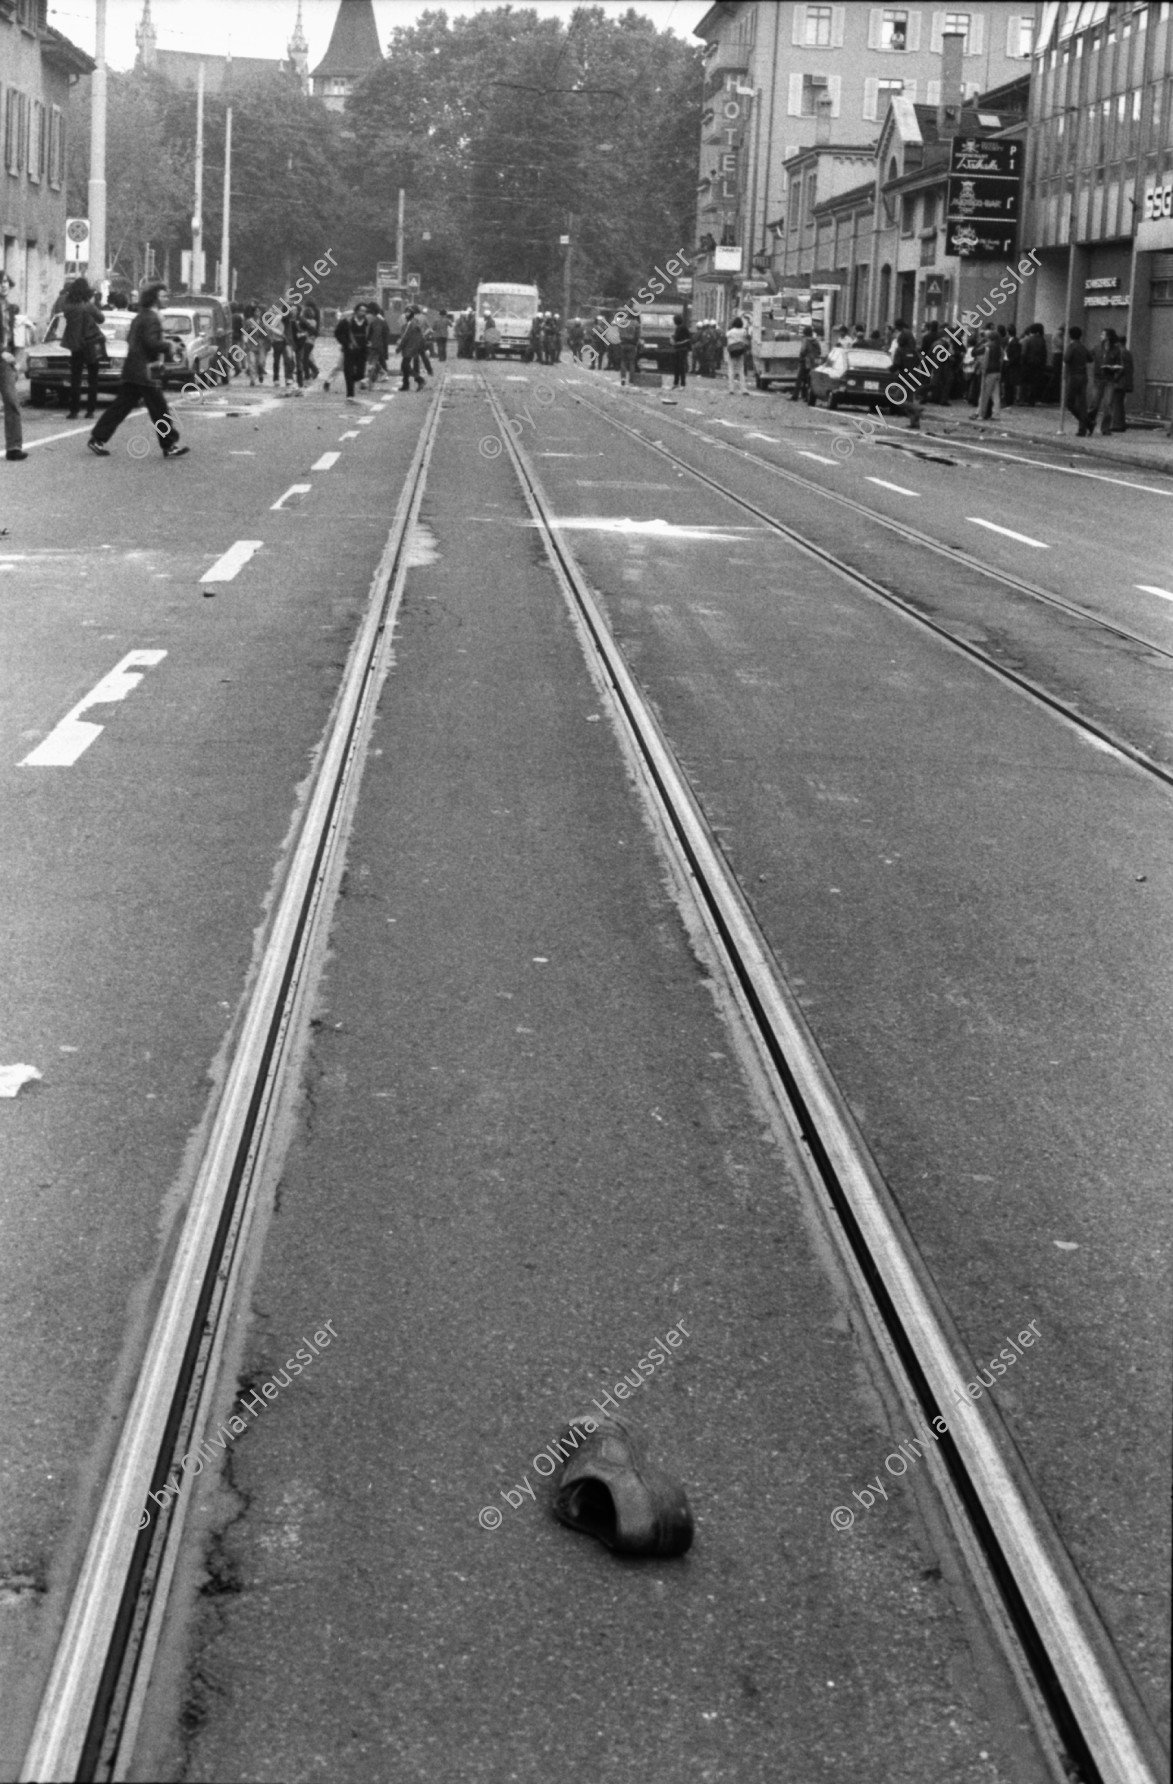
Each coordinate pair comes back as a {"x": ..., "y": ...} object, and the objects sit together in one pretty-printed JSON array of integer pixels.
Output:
[
  {"x": 779, "y": 78},
  {"x": 221, "y": 73},
  {"x": 38, "y": 70},
  {"x": 1099, "y": 180}
]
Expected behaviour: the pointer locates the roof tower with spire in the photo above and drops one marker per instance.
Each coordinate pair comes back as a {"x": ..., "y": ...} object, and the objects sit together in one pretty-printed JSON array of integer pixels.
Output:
[{"x": 354, "y": 51}]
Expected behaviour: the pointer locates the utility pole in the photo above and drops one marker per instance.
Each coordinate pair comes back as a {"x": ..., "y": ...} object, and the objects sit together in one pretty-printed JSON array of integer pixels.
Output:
[
  {"x": 225, "y": 272},
  {"x": 97, "y": 188},
  {"x": 197, "y": 221},
  {"x": 569, "y": 244},
  {"x": 399, "y": 242}
]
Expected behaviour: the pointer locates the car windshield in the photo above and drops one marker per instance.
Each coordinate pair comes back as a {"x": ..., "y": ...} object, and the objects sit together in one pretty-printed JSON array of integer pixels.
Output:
[
  {"x": 513, "y": 304},
  {"x": 867, "y": 358},
  {"x": 175, "y": 323}
]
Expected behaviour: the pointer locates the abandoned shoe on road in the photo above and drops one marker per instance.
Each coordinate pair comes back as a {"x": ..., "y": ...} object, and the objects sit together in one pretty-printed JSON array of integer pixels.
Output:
[{"x": 608, "y": 1489}]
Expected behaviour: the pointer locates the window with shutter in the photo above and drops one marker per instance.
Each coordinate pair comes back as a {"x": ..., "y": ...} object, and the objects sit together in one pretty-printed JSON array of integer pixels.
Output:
[
  {"x": 835, "y": 89},
  {"x": 975, "y": 43},
  {"x": 937, "y": 33},
  {"x": 871, "y": 88},
  {"x": 798, "y": 24},
  {"x": 875, "y": 15},
  {"x": 838, "y": 26},
  {"x": 794, "y": 106},
  {"x": 914, "y": 30}
]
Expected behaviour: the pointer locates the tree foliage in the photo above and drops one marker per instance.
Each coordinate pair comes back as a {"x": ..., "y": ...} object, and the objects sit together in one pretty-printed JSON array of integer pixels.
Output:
[{"x": 505, "y": 131}]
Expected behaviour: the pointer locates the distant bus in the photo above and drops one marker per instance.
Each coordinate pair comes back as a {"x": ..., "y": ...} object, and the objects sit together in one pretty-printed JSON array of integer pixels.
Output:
[{"x": 513, "y": 308}]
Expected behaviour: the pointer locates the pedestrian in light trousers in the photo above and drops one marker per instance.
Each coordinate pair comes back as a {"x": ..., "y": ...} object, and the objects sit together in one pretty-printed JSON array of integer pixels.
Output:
[{"x": 13, "y": 436}]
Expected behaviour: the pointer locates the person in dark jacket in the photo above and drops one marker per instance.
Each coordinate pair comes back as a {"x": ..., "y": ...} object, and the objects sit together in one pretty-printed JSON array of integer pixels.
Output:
[
  {"x": 1034, "y": 364},
  {"x": 1011, "y": 366},
  {"x": 1123, "y": 387},
  {"x": 85, "y": 340},
  {"x": 905, "y": 366},
  {"x": 1075, "y": 362},
  {"x": 378, "y": 344},
  {"x": 13, "y": 435},
  {"x": 681, "y": 346},
  {"x": 352, "y": 336},
  {"x": 411, "y": 343},
  {"x": 1107, "y": 370},
  {"x": 145, "y": 347}
]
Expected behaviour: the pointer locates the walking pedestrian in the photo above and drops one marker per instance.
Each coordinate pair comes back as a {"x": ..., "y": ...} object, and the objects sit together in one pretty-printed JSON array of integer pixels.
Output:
[
  {"x": 1011, "y": 367},
  {"x": 1075, "y": 361},
  {"x": 13, "y": 434},
  {"x": 351, "y": 335},
  {"x": 378, "y": 344},
  {"x": 1034, "y": 365},
  {"x": 275, "y": 335},
  {"x": 736, "y": 349},
  {"x": 145, "y": 348},
  {"x": 551, "y": 339},
  {"x": 410, "y": 343},
  {"x": 681, "y": 344},
  {"x": 628, "y": 351},
  {"x": 904, "y": 367},
  {"x": 1123, "y": 388},
  {"x": 442, "y": 331},
  {"x": 85, "y": 339},
  {"x": 990, "y": 394},
  {"x": 1107, "y": 368},
  {"x": 808, "y": 358}
]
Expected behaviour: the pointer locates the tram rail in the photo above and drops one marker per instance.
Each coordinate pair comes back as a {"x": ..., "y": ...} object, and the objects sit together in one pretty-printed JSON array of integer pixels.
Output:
[
  {"x": 92, "y": 1702},
  {"x": 891, "y": 596},
  {"x": 1086, "y": 1713}
]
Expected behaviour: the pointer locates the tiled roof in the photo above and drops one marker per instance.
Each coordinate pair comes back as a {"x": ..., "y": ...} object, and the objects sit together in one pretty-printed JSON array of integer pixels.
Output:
[{"x": 354, "y": 46}]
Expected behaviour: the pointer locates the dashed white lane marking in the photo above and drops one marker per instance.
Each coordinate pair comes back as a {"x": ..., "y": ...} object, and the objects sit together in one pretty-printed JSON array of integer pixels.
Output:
[
  {"x": 327, "y": 459},
  {"x": 1007, "y": 532},
  {"x": 1146, "y": 588},
  {"x": 818, "y": 455},
  {"x": 661, "y": 529},
  {"x": 234, "y": 559},
  {"x": 72, "y": 736},
  {"x": 774, "y": 439},
  {"x": 365, "y": 420},
  {"x": 351, "y": 435},
  {"x": 295, "y": 489},
  {"x": 898, "y": 487}
]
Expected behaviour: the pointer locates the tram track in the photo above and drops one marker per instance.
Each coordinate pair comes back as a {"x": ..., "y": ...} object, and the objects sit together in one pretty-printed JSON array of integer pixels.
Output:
[
  {"x": 1086, "y": 1713},
  {"x": 90, "y": 1707},
  {"x": 1102, "y": 734}
]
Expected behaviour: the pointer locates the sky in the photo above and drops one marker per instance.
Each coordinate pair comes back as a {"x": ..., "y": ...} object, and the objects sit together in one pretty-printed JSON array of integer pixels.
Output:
[{"x": 264, "y": 27}]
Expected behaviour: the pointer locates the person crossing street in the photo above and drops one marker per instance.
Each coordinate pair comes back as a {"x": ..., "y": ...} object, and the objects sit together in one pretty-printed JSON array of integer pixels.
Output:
[{"x": 145, "y": 347}]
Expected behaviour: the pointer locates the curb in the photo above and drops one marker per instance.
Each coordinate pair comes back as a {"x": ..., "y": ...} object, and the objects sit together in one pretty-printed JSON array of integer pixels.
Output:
[{"x": 1066, "y": 442}]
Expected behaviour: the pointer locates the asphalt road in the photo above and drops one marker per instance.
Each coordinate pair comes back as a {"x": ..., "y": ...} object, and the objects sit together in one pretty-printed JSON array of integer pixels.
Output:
[{"x": 528, "y": 1144}]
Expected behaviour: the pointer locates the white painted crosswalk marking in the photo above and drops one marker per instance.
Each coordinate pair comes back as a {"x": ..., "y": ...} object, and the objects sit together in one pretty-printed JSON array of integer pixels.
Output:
[
  {"x": 73, "y": 735},
  {"x": 234, "y": 559},
  {"x": 1022, "y": 538}
]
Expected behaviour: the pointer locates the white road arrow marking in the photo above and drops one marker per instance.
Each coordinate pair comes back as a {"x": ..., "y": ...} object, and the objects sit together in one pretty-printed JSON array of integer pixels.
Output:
[
  {"x": 69, "y": 739},
  {"x": 295, "y": 489},
  {"x": 234, "y": 559}
]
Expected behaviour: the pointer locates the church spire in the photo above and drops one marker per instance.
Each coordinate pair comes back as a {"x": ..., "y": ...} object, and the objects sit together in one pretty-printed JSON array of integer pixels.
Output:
[
  {"x": 144, "y": 36},
  {"x": 299, "y": 51}
]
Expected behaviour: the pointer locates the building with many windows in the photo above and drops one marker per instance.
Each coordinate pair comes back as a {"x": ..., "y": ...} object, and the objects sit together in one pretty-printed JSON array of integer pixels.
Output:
[
  {"x": 781, "y": 78},
  {"x": 222, "y": 74},
  {"x": 38, "y": 70},
  {"x": 1099, "y": 180}
]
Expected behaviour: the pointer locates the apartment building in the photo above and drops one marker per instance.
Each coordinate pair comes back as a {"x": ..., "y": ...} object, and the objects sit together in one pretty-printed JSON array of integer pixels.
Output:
[
  {"x": 781, "y": 77},
  {"x": 1098, "y": 197},
  {"x": 38, "y": 69}
]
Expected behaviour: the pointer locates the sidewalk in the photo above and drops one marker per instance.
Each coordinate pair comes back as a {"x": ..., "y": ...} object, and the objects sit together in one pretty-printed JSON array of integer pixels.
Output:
[{"x": 1147, "y": 447}]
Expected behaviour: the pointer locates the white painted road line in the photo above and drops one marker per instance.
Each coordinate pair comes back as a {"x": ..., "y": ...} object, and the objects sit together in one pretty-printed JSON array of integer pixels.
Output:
[
  {"x": 1146, "y": 588},
  {"x": 774, "y": 439},
  {"x": 1022, "y": 538},
  {"x": 365, "y": 420},
  {"x": 819, "y": 456},
  {"x": 67, "y": 740},
  {"x": 898, "y": 487},
  {"x": 234, "y": 559},
  {"x": 352, "y": 435},
  {"x": 324, "y": 463},
  {"x": 295, "y": 489}
]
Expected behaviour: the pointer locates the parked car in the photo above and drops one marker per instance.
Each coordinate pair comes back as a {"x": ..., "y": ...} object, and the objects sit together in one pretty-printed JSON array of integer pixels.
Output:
[
  {"x": 852, "y": 375},
  {"x": 47, "y": 363},
  {"x": 199, "y": 331}
]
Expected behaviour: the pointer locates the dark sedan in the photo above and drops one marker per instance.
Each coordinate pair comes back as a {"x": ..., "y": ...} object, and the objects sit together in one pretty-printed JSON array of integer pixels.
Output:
[{"x": 852, "y": 375}]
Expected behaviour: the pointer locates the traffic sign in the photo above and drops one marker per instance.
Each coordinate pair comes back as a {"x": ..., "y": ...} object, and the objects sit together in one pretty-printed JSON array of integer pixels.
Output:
[{"x": 77, "y": 230}]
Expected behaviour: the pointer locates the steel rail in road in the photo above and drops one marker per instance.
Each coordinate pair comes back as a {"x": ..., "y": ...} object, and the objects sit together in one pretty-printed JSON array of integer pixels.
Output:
[
  {"x": 954, "y": 553},
  {"x": 882, "y": 591},
  {"x": 85, "y": 1725},
  {"x": 1086, "y": 1713}
]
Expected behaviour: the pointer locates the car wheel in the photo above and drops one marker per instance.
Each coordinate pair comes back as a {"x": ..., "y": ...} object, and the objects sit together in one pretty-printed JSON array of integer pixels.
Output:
[
  {"x": 832, "y": 399},
  {"x": 760, "y": 382},
  {"x": 37, "y": 395}
]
